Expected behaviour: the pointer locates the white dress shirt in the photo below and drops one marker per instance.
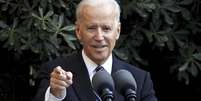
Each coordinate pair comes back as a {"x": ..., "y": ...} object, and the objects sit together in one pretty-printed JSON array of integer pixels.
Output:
[{"x": 91, "y": 66}]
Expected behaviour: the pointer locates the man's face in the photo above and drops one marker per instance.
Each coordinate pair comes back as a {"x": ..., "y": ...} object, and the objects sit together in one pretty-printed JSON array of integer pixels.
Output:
[{"x": 98, "y": 31}]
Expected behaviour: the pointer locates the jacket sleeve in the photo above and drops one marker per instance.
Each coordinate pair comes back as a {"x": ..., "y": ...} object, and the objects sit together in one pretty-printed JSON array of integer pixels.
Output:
[{"x": 148, "y": 93}]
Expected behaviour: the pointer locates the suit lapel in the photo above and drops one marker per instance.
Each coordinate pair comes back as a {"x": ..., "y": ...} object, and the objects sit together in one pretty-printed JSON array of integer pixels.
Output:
[
  {"x": 116, "y": 65},
  {"x": 82, "y": 84}
]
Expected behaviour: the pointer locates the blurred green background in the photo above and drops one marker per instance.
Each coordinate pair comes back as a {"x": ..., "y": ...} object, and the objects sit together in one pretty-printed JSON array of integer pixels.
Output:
[{"x": 160, "y": 36}]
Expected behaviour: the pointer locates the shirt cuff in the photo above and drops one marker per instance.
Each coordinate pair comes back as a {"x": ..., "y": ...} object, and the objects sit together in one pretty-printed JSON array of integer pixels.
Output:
[{"x": 50, "y": 97}]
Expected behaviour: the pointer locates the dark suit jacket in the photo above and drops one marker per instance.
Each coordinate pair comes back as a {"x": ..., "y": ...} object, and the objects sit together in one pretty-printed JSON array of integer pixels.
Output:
[{"x": 81, "y": 89}]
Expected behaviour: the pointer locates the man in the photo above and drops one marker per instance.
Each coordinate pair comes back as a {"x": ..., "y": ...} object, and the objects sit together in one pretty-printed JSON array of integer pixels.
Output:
[{"x": 69, "y": 78}]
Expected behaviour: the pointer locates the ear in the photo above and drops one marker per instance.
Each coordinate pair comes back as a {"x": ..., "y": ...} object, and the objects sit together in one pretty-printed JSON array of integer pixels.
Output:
[
  {"x": 77, "y": 31},
  {"x": 118, "y": 30}
]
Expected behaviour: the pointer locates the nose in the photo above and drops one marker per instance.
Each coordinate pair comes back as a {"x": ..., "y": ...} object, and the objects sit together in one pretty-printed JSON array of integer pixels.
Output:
[{"x": 99, "y": 35}]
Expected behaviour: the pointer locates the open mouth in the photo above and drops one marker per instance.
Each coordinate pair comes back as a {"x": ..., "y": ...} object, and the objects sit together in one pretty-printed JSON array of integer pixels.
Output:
[{"x": 99, "y": 46}]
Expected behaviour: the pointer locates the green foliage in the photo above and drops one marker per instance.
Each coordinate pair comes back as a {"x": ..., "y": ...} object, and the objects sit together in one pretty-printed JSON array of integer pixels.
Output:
[
  {"x": 42, "y": 27},
  {"x": 45, "y": 29},
  {"x": 171, "y": 26}
]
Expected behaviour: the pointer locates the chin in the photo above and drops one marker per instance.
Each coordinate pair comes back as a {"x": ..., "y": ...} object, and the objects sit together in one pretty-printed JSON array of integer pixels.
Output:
[{"x": 101, "y": 58}]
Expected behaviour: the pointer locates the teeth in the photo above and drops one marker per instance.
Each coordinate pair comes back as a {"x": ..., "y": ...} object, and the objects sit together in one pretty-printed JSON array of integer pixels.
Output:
[{"x": 99, "y": 46}]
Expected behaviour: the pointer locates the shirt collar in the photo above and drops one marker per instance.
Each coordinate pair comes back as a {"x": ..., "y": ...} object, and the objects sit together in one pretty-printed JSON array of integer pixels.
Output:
[{"x": 107, "y": 65}]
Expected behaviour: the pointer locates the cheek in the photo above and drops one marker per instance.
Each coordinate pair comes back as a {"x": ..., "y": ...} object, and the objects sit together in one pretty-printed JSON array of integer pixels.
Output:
[
  {"x": 112, "y": 42},
  {"x": 86, "y": 40},
  {"x": 83, "y": 35}
]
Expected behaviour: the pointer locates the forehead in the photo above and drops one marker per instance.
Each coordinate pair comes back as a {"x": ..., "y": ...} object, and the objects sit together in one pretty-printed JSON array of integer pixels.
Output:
[{"x": 100, "y": 12}]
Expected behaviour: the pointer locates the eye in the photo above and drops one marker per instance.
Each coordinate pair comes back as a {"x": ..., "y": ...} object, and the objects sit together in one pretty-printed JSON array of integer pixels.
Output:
[
  {"x": 91, "y": 28},
  {"x": 106, "y": 28}
]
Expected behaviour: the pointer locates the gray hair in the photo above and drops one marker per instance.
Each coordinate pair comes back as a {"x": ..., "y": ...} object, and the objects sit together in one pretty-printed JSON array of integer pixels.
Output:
[{"x": 96, "y": 3}]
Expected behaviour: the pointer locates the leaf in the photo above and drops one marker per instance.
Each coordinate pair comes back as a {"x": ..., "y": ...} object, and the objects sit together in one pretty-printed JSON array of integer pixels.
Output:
[
  {"x": 126, "y": 12},
  {"x": 15, "y": 23},
  {"x": 162, "y": 37},
  {"x": 182, "y": 32},
  {"x": 156, "y": 17},
  {"x": 186, "y": 2},
  {"x": 43, "y": 3},
  {"x": 13, "y": 8},
  {"x": 68, "y": 39},
  {"x": 11, "y": 39},
  {"x": 54, "y": 41},
  {"x": 186, "y": 14},
  {"x": 36, "y": 16},
  {"x": 193, "y": 70},
  {"x": 49, "y": 48},
  {"x": 120, "y": 54},
  {"x": 141, "y": 12},
  {"x": 151, "y": 6},
  {"x": 68, "y": 28},
  {"x": 173, "y": 8},
  {"x": 44, "y": 25},
  {"x": 62, "y": 3},
  {"x": 49, "y": 13},
  {"x": 197, "y": 56},
  {"x": 148, "y": 6},
  {"x": 2, "y": 1},
  {"x": 27, "y": 5},
  {"x": 198, "y": 65},
  {"x": 4, "y": 35},
  {"x": 3, "y": 25},
  {"x": 139, "y": 59},
  {"x": 183, "y": 67},
  {"x": 71, "y": 44},
  {"x": 24, "y": 47},
  {"x": 185, "y": 76},
  {"x": 168, "y": 19},
  {"x": 170, "y": 44},
  {"x": 61, "y": 19},
  {"x": 159, "y": 41},
  {"x": 35, "y": 3},
  {"x": 149, "y": 35},
  {"x": 41, "y": 12}
]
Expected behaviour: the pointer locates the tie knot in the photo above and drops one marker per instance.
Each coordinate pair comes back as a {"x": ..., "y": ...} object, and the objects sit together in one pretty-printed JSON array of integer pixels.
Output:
[{"x": 98, "y": 68}]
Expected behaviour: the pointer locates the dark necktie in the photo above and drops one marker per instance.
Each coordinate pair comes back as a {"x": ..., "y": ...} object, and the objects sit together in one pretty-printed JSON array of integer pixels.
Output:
[{"x": 98, "y": 68}]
